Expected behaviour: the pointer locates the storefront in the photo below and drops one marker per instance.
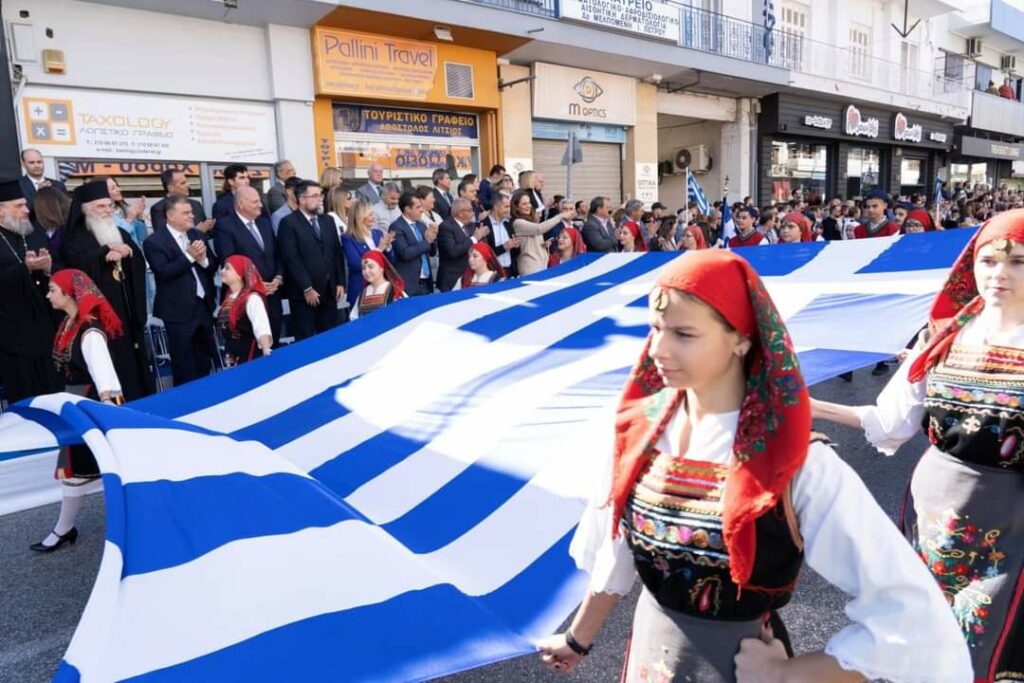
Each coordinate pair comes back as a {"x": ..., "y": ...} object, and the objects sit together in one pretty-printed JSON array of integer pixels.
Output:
[
  {"x": 410, "y": 106},
  {"x": 599, "y": 109},
  {"x": 134, "y": 137},
  {"x": 825, "y": 148},
  {"x": 989, "y": 161}
]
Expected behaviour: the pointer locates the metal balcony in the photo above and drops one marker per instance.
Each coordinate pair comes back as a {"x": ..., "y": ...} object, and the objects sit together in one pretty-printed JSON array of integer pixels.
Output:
[
  {"x": 722, "y": 35},
  {"x": 997, "y": 114},
  {"x": 537, "y": 8}
]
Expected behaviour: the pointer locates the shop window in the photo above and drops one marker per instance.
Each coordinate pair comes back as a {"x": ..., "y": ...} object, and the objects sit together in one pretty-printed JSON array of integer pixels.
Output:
[
  {"x": 911, "y": 176},
  {"x": 860, "y": 47},
  {"x": 797, "y": 166},
  {"x": 969, "y": 173},
  {"x": 458, "y": 80},
  {"x": 863, "y": 171}
]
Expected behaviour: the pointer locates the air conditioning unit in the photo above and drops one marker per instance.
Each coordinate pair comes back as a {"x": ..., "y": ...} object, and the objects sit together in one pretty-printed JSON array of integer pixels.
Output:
[
  {"x": 974, "y": 46},
  {"x": 1008, "y": 63},
  {"x": 696, "y": 158}
]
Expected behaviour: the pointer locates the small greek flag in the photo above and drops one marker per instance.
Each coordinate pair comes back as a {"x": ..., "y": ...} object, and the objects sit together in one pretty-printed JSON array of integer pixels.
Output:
[
  {"x": 769, "y": 27},
  {"x": 728, "y": 224},
  {"x": 696, "y": 194}
]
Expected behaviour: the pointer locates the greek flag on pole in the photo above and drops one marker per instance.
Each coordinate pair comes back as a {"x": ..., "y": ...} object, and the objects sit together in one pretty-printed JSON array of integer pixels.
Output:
[
  {"x": 424, "y": 466},
  {"x": 769, "y": 27},
  {"x": 728, "y": 224},
  {"x": 696, "y": 194},
  {"x": 938, "y": 192}
]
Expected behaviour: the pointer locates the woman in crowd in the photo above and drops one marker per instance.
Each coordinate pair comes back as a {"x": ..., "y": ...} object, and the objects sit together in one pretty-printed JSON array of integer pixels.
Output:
[
  {"x": 716, "y": 495},
  {"x": 664, "y": 236},
  {"x": 83, "y": 358},
  {"x": 52, "y": 208},
  {"x": 382, "y": 285},
  {"x": 795, "y": 227},
  {"x": 693, "y": 239},
  {"x": 339, "y": 199},
  {"x": 330, "y": 177},
  {"x": 361, "y": 238},
  {"x": 243, "y": 321},
  {"x": 127, "y": 215},
  {"x": 965, "y": 388},
  {"x": 912, "y": 226},
  {"x": 922, "y": 217},
  {"x": 506, "y": 186},
  {"x": 483, "y": 268},
  {"x": 630, "y": 238},
  {"x": 426, "y": 197},
  {"x": 533, "y": 253},
  {"x": 569, "y": 245}
]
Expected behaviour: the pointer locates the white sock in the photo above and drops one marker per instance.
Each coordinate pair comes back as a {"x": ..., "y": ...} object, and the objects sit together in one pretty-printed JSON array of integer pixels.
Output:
[{"x": 69, "y": 507}]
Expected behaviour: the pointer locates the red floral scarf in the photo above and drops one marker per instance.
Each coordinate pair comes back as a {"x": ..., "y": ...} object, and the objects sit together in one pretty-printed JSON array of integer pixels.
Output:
[
  {"x": 774, "y": 426},
  {"x": 252, "y": 282},
  {"x": 487, "y": 253},
  {"x": 92, "y": 305}
]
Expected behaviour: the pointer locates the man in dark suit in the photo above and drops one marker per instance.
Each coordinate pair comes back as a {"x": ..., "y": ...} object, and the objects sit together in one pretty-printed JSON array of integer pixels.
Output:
[
  {"x": 499, "y": 234},
  {"x": 176, "y": 182},
  {"x": 247, "y": 232},
  {"x": 372, "y": 192},
  {"x": 184, "y": 270},
  {"x": 32, "y": 162},
  {"x": 276, "y": 198},
  {"x": 598, "y": 231},
  {"x": 413, "y": 244},
  {"x": 235, "y": 176},
  {"x": 454, "y": 243},
  {"x": 442, "y": 193},
  {"x": 315, "y": 271}
]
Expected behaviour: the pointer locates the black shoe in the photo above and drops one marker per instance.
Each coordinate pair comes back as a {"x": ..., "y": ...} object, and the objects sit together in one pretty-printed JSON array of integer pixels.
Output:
[
  {"x": 70, "y": 537},
  {"x": 880, "y": 369}
]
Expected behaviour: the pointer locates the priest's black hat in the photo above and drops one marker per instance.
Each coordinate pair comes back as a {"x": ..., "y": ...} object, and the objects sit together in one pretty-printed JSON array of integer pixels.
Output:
[
  {"x": 91, "y": 191},
  {"x": 10, "y": 190}
]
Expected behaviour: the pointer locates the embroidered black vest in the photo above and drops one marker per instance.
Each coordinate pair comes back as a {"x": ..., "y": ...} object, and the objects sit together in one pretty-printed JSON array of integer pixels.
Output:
[
  {"x": 368, "y": 303},
  {"x": 973, "y": 405},
  {"x": 240, "y": 345}
]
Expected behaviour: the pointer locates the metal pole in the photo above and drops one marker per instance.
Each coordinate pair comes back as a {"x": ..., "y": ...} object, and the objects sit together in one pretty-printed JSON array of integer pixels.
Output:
[
  {"x": 10, "y": 160},
  {"x": 568, "y": 167}
]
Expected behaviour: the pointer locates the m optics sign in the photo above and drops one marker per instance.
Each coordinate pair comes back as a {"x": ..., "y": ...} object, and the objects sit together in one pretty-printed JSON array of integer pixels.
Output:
[
  {"x": 651, "y": 18},
  {"x": 565, "y": 94}
]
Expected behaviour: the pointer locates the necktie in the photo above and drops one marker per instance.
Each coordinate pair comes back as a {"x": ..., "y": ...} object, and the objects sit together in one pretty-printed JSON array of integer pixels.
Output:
[
  {"x": 424, "y": 263},
  {"x": 255, "y": 233},
  {"x": 200, "y": 291},
  {"x": 315, "y": 224}
]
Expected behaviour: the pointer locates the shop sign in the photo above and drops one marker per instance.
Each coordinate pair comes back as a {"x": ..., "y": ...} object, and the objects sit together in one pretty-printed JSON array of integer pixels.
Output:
[
  {"x": 818, "y": 121},
  {"x": 647, "y": 183},
  {"x": 405, "y": 160},
  {"x": 516, "y": 165},
  {"x": 365, "y": 65},
  {"x": 87, "y": 169},
  {"x": 936, "y": 136},
  {"x": 107, "y": 125},
  {"x": 566, "y": 94},
  {"x": 355, "y": 118},
  {"x": 651, "y": 18},
  {"x": 902, "y": 130},
  {"x": 980, "y": 147},
  {"x": 855, "y": 124}
]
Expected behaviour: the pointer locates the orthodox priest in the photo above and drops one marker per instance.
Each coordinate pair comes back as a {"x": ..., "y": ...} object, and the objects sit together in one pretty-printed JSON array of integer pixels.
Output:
[
  {"x": 94, "y": 244},
  {"x": 26, "y": 327}
]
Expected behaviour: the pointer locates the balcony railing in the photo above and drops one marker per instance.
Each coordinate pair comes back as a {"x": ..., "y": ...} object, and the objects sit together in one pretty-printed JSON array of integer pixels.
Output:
[
  {"x": 998, "y": 114},
  {"x": 716, "y": 33},
  {"x": 538, "y": 8}
]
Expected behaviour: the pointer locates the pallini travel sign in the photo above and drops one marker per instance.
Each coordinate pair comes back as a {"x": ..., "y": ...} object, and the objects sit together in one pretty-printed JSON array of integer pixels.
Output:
[
  {"x": 651, "y": 18},
  {"x": 364, "y": 65},
  {"x": 566, "y": 94}
]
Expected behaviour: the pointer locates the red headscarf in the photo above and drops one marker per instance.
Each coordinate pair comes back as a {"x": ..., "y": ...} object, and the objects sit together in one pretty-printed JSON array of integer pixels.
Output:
[
  {"x": 390, "y": 274},
  {"x": 578, "y": 247},
  {"x": 252, "y": 281},
  {"x": 698, "y": 236},
  {"x": 921, "y": 216},
  {"x": 958, "y": 302},
  {"x": 92, "y": 305},
  {"x": 802, "y": 222},
  {"x": 774, "y": 428},
  {"x": 484, "y": 250},
  {"x": 639, "y": 244}
]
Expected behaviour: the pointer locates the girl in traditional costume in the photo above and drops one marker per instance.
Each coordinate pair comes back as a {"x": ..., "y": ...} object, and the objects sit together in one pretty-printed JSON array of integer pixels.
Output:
[
  {"x": 483, "y": 268},
  {"x": 242, "y": 319},
  {"x": 82, "y": 355},
  {"x": 718, "y": 493},
  {"x": 570, "y": 244},
  {"x": 964, "y": 387},
  {"x": 382, "y": 284}
]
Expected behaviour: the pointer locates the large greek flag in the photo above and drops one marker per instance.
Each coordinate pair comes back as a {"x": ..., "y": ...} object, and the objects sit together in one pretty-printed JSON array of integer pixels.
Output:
[{"x": 393, "y": 500}]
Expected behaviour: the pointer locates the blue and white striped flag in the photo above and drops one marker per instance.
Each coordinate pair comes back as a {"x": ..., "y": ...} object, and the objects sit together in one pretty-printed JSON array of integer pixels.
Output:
[
  {"x": 938, "y": 192},
  {"x": 769, "y": 27},
  {"x": 424, "y": 466},
  {"x": 728, "y": 224},
  {"x": 695, "y": 193}
]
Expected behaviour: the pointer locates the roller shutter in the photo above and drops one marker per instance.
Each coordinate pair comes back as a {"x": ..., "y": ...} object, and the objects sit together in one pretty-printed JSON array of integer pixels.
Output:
[{"x": 600, "y": 173}]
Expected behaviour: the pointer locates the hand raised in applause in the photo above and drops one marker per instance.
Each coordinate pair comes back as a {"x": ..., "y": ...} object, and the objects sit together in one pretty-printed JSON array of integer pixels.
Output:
[
  {"x": 197, "y": 250},
  {"x": 481, "y": 232}
]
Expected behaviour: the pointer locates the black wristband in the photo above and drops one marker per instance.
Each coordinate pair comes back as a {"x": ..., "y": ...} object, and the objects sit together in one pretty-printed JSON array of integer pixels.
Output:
[{"x": 575, "y": 646}]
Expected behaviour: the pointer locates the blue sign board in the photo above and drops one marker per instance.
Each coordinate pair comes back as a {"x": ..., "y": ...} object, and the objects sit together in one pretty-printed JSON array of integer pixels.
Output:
[{"x": 362, "y": 118}]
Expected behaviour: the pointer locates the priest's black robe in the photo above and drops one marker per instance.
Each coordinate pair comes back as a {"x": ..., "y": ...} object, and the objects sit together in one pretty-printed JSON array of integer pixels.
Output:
[
  {"x": 26, "y": 323},
  {"x": 126, "y": 295}
]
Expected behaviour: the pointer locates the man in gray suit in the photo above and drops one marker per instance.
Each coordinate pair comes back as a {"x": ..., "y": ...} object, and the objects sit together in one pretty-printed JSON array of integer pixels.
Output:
[
  {"x": 276, "y": 197},
  {"x": 373, "y": 191},
  {"x": 598, "y": 231},
  {"x": 387, "y": 210}
]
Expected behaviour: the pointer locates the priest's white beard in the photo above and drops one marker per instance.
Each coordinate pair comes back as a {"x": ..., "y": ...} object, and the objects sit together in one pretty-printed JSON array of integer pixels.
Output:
[
  {"x": 104, "y": 230},
  {"x": 19, "y": 226}
]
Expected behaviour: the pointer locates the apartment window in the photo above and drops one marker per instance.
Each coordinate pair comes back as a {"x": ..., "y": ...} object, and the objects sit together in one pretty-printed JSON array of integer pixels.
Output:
[
  {"x": 909, "y": 80},
  {"x": 793, "y": 22},
  {"x": 860, "y": 45}
]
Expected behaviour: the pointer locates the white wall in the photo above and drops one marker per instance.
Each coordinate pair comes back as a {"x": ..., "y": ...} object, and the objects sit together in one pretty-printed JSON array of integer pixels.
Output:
[
  {"x": 291, "y": 82},
  {"x": 122, "y": 49},
  {"x": 672, "y": 191}
]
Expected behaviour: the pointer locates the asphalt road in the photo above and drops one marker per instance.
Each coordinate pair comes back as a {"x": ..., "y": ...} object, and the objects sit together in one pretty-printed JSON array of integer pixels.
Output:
[{"x": 42, "y": 597}]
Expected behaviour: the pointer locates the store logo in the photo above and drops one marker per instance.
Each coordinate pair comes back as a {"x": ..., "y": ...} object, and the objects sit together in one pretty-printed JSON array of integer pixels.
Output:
[
  {"x": 858, "y": 125},
  {"x": 818, "y": 121},
  {"x": 48, "y": 121},
  {"x": 938, "y": 137},
  {"x": 588, "y": 89},
  {"x": 902, "y": 130}
]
